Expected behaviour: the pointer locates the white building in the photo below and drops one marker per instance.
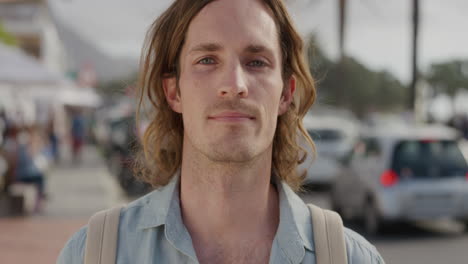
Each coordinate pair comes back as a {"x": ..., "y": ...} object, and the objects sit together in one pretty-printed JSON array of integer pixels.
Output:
[{"x": 30, "y": 23}]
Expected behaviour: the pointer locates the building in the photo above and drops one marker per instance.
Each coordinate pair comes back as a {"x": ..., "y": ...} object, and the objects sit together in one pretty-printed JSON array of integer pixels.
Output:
[{"x": 30, "y": 23}]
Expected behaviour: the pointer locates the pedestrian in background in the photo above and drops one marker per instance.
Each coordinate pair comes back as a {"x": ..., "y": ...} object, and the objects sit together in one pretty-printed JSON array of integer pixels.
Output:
[
  {"x": 78, "y": 132},
  {"x": 230, "y": 88},
  {"x": 3, "y": 125},
  {"x": 53, "y": 140},
  {"x": 23, "y": 147}
]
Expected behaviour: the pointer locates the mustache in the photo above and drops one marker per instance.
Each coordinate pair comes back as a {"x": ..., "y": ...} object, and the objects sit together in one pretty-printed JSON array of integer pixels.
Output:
[{"x": 235, "y": 106}]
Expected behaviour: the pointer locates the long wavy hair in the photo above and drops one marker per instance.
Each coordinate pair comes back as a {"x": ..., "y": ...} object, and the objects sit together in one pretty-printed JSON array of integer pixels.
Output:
[{"x": 161, "y": 153}]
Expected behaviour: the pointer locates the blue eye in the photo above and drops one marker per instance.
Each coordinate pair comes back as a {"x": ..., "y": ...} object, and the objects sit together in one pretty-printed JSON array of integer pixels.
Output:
[
  {"x": 256, "y": 63},
  {"x": 206, "y": 61}
]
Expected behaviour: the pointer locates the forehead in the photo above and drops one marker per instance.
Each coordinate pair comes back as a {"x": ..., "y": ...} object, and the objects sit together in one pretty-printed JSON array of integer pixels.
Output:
[{"x": 237, "y": 23}]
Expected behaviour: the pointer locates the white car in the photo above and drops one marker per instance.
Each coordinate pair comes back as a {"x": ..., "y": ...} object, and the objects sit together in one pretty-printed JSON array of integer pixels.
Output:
[
  {"x": 334, "y": 138},
  {"x": 403, "y": 174}
]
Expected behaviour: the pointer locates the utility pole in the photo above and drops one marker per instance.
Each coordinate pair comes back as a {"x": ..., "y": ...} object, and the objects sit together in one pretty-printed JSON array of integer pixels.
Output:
[
  {"x": 341, "y": 92},
  {"x": 415, "y": 27},
  {"x": 342, "y": 27}
]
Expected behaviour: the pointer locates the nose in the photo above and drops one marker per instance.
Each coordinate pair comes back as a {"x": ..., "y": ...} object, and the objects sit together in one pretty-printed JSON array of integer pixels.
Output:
[{"x": 233, "y": 82}]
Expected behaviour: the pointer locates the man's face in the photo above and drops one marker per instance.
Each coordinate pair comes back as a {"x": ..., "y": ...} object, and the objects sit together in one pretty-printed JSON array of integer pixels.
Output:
[{"x": 231, "y": 85}]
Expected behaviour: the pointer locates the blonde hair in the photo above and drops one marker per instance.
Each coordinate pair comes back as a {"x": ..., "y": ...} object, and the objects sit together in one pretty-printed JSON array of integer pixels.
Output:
[{"x": 161, "y": 154}]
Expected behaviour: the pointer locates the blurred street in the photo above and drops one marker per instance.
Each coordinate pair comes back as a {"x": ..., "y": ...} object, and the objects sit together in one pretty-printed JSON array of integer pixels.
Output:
[
  {"x": 75, "y": 192},
  {"x": 437, "y": 242},
  {"x": 421, "y": 243}
]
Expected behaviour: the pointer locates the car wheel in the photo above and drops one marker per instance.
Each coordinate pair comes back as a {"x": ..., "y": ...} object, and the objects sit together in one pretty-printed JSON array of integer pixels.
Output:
[
  {"x": 372, "y": 222},
  {"x": 466, "y": 225}
]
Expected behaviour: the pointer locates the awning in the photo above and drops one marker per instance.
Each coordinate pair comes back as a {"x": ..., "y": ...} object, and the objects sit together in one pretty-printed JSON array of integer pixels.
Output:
[
  {"x": 16, "y": 68},
  {"x": 78, "y": 96}
]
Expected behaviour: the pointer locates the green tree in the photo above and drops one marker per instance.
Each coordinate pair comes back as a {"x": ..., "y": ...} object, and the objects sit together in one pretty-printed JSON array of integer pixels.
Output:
[
  {"x": 6, "y": 37},
  {"x": 448, "y": 77},
  {"x": 350, "y": 84}
]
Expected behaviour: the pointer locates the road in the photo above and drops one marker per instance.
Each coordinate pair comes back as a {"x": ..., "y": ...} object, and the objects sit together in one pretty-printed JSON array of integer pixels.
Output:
[{"x": 442, "y": 242}]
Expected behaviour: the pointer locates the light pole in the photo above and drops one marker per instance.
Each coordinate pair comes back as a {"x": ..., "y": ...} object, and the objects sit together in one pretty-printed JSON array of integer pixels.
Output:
[{"x": 415, "y": 75}]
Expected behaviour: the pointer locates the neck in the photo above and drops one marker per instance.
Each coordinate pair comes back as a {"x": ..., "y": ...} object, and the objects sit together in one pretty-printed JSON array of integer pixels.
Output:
[{"x": 232, "y": 202}]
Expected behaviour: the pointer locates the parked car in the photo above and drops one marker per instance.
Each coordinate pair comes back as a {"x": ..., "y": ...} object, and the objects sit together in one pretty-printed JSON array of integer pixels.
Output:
[
  {"x": 334, "y": 138},
  {"x": 116, "y": 133},
  {"x": 123, "y": 141},
  {"x": 3, "y": 171},
  {"x": 403, "y": 174}
]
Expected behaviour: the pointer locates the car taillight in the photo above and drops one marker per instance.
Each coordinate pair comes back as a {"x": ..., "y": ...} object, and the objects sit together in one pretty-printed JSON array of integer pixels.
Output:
[
  {"x": 466, "y": 176},
  {"x": 389, "y": 178}
]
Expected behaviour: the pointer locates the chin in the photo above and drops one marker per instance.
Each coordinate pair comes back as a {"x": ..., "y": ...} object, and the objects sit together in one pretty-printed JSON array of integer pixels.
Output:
[{"x": 233, "y": 154}]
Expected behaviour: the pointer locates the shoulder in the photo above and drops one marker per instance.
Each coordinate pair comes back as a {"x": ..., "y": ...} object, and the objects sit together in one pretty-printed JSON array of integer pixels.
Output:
[
  {"x": 73, "y": 251},
  {"x": 359, "y": 250}
]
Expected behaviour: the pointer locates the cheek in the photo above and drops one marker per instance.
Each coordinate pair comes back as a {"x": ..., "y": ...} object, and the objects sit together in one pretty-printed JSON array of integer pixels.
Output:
[
  {"x": 190, "y": 93},
  {"x": 195, "y": 100},
  {"x": 270, "y": 100},
  {"x": 272, "y": 96}
]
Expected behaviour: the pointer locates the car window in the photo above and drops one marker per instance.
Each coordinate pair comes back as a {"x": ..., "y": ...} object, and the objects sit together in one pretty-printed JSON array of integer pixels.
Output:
[
  {"x": 363, "y": 148},
  {"x": 372, "y": 147},
  {"x": 325, "y": 135},
  {"x": 429, "y": 159}
]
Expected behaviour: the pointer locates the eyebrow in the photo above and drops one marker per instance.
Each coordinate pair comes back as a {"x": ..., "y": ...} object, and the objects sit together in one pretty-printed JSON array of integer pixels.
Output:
[
  {"x": 206, "y": 47},
  {"x": 211, "y": 47},
  {"x": 256, "y": 49}
]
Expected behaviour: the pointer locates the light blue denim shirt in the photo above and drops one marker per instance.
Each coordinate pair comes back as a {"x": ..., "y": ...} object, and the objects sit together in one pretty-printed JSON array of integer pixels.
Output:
[{"x": 151, "y": 231}]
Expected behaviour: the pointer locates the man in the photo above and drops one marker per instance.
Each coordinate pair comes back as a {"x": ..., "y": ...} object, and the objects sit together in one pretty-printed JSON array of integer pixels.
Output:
[
  {"x": 77, "y": 134},
  {"x": 229, "y": 86}
]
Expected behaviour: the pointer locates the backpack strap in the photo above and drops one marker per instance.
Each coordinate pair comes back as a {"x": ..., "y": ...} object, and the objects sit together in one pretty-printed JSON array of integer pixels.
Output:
[
  {"x": 101, "y": 237},
  {"x": 330, "y": 247}
]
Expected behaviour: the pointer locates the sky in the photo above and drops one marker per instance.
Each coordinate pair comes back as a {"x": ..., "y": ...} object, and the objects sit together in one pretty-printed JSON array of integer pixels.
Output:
[{"x": 378, "y": 33}]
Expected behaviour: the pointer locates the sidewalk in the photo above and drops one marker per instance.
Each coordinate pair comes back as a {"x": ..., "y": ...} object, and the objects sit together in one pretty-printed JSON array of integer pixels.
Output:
[{"x": 75, "y": 193}]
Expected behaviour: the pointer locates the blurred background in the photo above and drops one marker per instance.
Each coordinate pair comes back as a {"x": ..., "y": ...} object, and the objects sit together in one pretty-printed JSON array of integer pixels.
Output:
[{"x": 390, "y": 121}]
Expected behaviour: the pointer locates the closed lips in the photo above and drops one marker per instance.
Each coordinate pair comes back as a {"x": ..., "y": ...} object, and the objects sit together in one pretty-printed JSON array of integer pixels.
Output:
[{"x": 231, "y": 115}]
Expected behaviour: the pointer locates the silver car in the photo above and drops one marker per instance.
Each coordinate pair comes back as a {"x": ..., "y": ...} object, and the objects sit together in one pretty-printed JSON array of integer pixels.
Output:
[
  {"x": 334, "y": 137},
  {"x": 403, "y": 174}
]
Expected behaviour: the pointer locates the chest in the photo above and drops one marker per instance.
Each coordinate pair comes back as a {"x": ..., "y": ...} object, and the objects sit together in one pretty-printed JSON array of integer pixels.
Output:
[{"x": 247, "y": 253}]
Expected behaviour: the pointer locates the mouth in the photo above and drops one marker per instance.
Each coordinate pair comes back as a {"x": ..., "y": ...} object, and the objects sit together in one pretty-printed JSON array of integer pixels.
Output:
[{"x": 231, "y": 117}]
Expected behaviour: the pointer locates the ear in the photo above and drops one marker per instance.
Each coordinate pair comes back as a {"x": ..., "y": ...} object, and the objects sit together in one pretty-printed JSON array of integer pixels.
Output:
[
  {"x": 172, "y": 95},
  {"x": 287, "y": 96}
]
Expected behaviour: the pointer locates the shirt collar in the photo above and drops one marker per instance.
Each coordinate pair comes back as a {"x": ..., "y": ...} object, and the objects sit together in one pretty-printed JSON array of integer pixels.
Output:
[
  {"x": 295, "y": 220},
  {"x": 157, "y": 203},
  {"x": 294, "y": 233}
]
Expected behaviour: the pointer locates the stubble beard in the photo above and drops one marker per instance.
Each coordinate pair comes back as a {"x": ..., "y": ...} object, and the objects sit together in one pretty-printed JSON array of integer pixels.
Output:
[{"x": 231, "y": 152}]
